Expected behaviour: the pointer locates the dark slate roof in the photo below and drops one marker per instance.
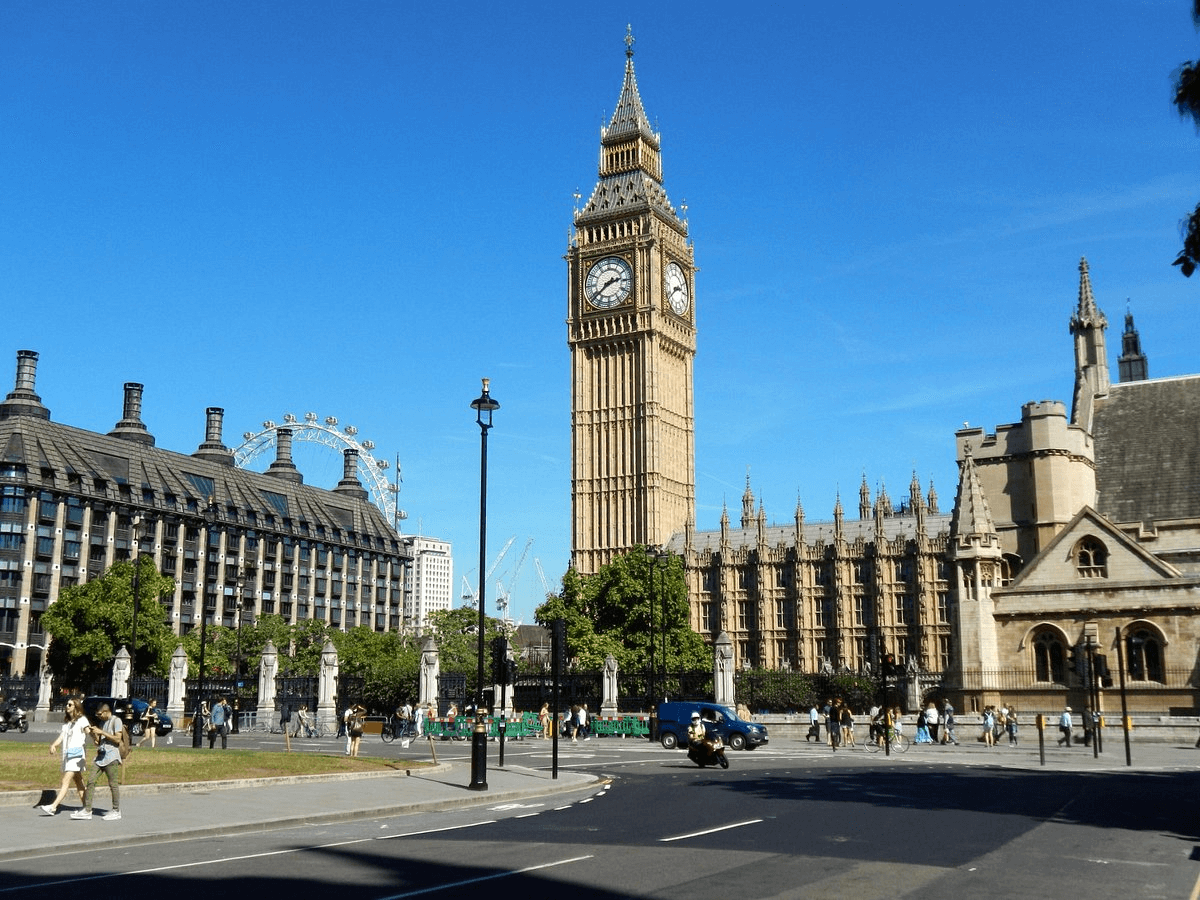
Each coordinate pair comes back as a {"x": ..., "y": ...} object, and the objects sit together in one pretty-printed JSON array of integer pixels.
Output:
[
  {"x": 626, "y": 192},
  {"x": 1147, "y": 440},
  {"x": 45, "y": 447}
]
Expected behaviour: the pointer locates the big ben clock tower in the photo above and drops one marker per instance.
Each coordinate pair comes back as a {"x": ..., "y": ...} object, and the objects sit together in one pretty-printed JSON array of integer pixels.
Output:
[{"x": 631, "y": 328}]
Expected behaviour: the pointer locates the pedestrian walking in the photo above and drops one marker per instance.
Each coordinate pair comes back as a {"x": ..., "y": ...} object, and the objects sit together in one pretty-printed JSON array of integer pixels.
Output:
[
  {"x": 546, "y": 721},
  {"x": 219, "y": 724},
  {"x": 989, "y": 727},
  {"x": 149, "y": 724},
  {"x": 1011, "y": 726},
  {"x": 1064, "y": 727},
  {"x": 107, "y": 762},
  {"x": 932, "y": 721},
  {"x": 354, "y": 728},
  {"x": 814, "y": 724},
  {"x": 948, "y": 724},
  {"x": 72, "y": 737}
]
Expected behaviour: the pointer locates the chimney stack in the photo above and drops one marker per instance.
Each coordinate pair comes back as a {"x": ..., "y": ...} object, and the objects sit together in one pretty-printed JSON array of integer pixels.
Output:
[
  {"x": 350, "y": 483},
  {"x": 24, "y": 401},
  {"x": 283, "y": 467},
  {"x": 212, "y": 449},
  {"x": 131, "y": 427}
]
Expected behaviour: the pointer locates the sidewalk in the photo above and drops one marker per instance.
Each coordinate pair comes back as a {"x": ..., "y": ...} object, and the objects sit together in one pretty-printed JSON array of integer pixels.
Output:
[{"x": 165, "y": 812}]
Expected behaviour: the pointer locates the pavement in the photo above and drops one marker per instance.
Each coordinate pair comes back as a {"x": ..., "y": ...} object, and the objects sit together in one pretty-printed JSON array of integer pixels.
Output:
[
  {"x": 164, "y": 812},
  {"x": 154, "y": 813}
]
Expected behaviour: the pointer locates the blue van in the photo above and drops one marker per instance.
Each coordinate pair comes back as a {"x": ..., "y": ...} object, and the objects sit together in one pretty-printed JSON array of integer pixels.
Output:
[{"x": 674, "y": 719}]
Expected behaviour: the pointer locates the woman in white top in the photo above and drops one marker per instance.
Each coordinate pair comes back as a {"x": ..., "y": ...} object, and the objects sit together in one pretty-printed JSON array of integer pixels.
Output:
[{"x": 72, "y": 739}]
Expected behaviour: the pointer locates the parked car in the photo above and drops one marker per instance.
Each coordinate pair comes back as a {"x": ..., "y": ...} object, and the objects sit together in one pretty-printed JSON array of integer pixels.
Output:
[
  {"x": 674, "y": 719},
  {"x": 131, "y": 711}
]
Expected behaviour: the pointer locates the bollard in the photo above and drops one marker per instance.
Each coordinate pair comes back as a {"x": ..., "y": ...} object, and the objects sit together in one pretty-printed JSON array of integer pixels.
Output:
[{"x": 1041, "y": 730}]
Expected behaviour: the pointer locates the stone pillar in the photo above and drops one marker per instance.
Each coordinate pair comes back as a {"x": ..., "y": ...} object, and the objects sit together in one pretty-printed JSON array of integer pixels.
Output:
[
  {"x": 723, "y": 670},
  {"x": 427, "y": 686},
  {"x": 268, "y": 668},
  {"x": 45, "y": 689},
  {"x": 177, "y": 685},
  {"x": 608, "y": 693},
  {"x": 327, "y": 700},
  {"x": 120, "y": 674}
]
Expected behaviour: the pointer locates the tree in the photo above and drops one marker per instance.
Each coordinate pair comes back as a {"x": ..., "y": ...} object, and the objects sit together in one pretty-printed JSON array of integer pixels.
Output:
[
  {"x": 1187, "y": 101},
  {"x": 634, "y": 600},
  {"x": 456, "y": 632},
  {"x": 388, "y": 663},
  {"x": 90, "y": 622}
]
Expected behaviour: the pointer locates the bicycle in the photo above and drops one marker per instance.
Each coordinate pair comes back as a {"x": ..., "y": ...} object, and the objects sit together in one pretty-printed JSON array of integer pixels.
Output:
[
  {"x": 392, "y": 729},
  {"x": 897, "y": 742}
]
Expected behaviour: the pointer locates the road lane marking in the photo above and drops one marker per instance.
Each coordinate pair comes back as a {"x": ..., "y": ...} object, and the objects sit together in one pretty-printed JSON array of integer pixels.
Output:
[
  {"x": 684, "y": 837},
  {"x": 482, "y": 878},
  {"x": 228, "y": 859}
]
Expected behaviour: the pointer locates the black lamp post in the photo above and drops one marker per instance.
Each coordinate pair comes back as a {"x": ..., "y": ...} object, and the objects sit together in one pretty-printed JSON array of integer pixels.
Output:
[
  {"x": 484, "y": 406},
  {"x": 210, "y": 522},
  {"x": 237, "y": 672},
  {"x": 137, "y": 593}
]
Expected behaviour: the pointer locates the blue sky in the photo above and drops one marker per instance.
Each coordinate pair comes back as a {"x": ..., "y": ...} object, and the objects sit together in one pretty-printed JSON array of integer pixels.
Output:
[{"x": 360, "y": 209}]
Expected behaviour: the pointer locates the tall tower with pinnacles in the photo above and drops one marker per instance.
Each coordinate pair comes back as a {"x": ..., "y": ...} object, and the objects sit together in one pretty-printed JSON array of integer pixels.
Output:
[{"x": 631, "y": 328}]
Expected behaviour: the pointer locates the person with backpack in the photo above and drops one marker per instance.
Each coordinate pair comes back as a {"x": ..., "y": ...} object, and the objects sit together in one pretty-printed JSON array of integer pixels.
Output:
[
  {"x": 219, "y": 724},
  {"x": 112, "y": 742}
]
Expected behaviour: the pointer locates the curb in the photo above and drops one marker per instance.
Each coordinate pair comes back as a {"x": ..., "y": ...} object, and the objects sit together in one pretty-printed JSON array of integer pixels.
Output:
[{"x": 468, "y": 798}]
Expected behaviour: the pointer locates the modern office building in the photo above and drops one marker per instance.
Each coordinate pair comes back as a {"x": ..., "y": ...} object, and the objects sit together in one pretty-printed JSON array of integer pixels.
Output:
[
  {"x": 429, "y": 580},
  {"x": 73, "y": 501}
]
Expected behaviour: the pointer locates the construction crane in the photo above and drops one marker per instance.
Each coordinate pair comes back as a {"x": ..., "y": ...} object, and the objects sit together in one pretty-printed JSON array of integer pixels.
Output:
[
  {"x": 468, "y": 594},
  {"x": 502, "y": 594},
  {"x": 546, "y": 589}
]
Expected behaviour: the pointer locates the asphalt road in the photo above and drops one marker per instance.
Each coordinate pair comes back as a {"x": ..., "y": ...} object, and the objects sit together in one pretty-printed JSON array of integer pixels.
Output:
[{"x": 784, "y": 821}]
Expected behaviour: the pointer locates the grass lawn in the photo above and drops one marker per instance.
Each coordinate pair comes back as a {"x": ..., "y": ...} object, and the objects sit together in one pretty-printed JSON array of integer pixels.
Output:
[{"x": 28, "y": 766}]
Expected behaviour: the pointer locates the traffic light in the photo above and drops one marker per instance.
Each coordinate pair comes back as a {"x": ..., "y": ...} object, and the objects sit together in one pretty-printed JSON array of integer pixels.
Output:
[
  {"x": 499, "y": 659},
  {"x": 889, "y": 665},
  {"x": 1102, "y": 672},
  {"x": 1076, "y": 660}
]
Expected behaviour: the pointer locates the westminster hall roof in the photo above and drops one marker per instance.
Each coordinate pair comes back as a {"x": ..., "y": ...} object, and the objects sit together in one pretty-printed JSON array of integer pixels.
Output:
[{"x": 1147, "y": 445}]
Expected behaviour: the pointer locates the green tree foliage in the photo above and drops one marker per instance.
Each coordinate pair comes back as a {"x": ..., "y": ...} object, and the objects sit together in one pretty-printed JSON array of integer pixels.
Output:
[
  {"x": 632, "y": 601},
  {"x": 388, "y": 662},
  {"x": 1187, "y": 101},
  {"x": 90, "y": 622},
  {"x": 456, "y": 633}
]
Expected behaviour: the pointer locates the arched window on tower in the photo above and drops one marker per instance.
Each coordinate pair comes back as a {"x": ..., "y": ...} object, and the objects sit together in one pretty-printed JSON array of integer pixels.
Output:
[
  {"x": 1091, "y": 558},
  {"x": 1145, "y": 655},
  {"x": 1049, "y": 657}
]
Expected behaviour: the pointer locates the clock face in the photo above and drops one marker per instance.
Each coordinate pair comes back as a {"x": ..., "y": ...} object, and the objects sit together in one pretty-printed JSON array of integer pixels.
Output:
[
  {"x": 608, "y": 282},
  {"x": 677, "y": 288}
]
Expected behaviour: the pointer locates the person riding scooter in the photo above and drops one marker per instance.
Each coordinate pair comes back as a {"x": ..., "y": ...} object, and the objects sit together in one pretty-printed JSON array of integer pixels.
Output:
[{"x": 703, "y": 750}]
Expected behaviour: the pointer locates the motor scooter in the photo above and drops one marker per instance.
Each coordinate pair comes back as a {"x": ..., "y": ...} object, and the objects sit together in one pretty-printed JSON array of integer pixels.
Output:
[
  {"x": 709, "y": 752},
  {"x": 13, "y": 717}
]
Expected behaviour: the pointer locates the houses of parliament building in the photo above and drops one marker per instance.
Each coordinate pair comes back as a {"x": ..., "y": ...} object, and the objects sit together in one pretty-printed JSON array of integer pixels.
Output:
[{"x": 1068, "y": 529}]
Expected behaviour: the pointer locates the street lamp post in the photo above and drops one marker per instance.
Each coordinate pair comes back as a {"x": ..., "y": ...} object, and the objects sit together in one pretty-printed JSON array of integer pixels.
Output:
[
  {"x": 484, "y": 406},
  {"x": 237, "y": 672},
  {"x": 210, "y": 521},
  {"x": 137, "y": 593}
]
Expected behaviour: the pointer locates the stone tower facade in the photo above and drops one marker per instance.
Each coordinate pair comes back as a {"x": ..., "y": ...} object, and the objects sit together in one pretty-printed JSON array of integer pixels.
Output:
[{"x": 631, "y": 329}]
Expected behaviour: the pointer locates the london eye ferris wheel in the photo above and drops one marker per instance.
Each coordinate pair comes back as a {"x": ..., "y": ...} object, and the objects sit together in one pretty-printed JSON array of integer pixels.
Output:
[{"x": 314, "y": 430}]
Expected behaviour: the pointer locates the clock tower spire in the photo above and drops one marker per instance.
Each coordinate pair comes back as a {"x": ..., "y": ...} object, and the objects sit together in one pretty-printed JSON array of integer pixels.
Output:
[{"x": 631, "y": 330}]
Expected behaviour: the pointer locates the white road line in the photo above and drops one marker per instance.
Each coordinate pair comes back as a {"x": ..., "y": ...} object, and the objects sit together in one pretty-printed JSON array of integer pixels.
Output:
[
  {"x": 481, "y": 878},
  {"x": 229, "y": 859},
  {"x": 684, "y": 837}
]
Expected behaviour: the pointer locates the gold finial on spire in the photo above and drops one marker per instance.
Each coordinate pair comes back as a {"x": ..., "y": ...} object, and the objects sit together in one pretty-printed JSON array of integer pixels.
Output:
[{"x": 629, "y": 39}]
